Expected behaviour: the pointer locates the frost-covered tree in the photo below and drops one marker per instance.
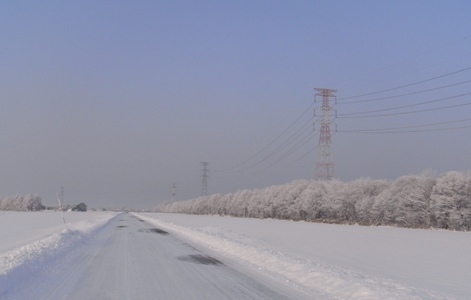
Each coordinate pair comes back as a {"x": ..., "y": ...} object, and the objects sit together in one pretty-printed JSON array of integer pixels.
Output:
[
  {"x": 451, "y": 201},
  {"x": 311, "y": 200},
  {"x": 366, "y": 190},
  {"x": 413, "y": 201},
  {"x": 21, "y": 203},
  {"x": 384, "y": 207},
  {"x": 405, "y": 203},
  {"x": 260, "y": 205},
  {"x": 334, "y": 203},
  {"x": 418, "y": 201},
  {"x": 267, "y": 201},
  {"x": 238, "y": 206},
  {"x": 287, "y": 204},
  {"x": 352, "y": 202}
]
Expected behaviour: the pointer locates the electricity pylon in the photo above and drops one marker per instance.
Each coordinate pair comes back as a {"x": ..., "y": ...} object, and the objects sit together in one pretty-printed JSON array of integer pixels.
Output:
[
  {"x": 204, "y": 187},
  {"x": 325, "y": 164},
  {"x": 174, "y": 191}
]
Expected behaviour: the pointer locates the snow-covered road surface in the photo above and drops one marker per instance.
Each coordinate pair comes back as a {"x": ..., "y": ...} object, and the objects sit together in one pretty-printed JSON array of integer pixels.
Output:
[{"x": 131, "y": 259}]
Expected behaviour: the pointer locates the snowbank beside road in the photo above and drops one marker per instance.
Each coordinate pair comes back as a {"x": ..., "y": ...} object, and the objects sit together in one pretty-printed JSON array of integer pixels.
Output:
[
  {"x": 22, "y": 228},
  {"x": 338, "y": 262},
  {"x": 43, "y": 242}
]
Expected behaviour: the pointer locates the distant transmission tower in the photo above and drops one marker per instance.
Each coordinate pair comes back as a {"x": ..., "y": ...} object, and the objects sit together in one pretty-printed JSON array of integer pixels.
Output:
[
  {"x": 174, "y": 191},
  {"x": 204, "y": 188},
  {"x": 324, "y": 164}
]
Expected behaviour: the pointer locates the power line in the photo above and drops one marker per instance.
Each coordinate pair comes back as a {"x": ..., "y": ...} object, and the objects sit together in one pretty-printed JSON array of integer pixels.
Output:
[
  {"x": 403, "y": 95},
  {"x": 406, "y": 85},
  {"x": 292, "y": 150},
  {"x": 310, "y": 151},
  {"x": 269, "y": 144},
  {"x": 294, "y": 138},
  {"x": 404, "y": 106},
  {"x": 297, "y": 139},
  {"x": 406, "y": 113},
  {"x": 407, "y": 131},
  {"x": 382, "y": 130},
  {"x": 280, "y": 147},
  {"x": 398, "y": 63},
  {"x": 286, "y": 143}
]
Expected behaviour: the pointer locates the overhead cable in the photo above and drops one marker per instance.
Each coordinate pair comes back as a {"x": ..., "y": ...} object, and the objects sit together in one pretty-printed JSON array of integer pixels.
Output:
[
  {"x": 404, "y": 106},
  {"x": 406, "y": 85},
  {"x": 403, "y": 95},
  {"x": 406, "y": 131},
  {"x": 269, "y": 144},
  {"x": 405, "y": 113},
  {"x": 380, "y": 130}
]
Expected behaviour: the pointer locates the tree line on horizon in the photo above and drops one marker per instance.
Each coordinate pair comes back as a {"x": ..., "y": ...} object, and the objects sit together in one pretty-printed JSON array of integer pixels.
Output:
[
  {"x": 31, "y": 202},
  {"x": 21, "y": 203},
  {"x": 427, "y": 200}
]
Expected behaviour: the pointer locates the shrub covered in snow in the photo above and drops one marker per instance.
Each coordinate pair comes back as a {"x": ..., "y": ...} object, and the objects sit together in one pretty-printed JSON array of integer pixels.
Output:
[
  {"x": 21, "y": 203},
  {"x": 418, "y": 201}
]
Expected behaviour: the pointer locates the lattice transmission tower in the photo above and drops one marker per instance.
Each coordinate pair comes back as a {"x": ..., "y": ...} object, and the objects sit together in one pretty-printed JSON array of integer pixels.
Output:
[
  {"x": 204, "y": 187},
  {"x": 324, "y": 164},
  {"x": 174, "y": 191}
]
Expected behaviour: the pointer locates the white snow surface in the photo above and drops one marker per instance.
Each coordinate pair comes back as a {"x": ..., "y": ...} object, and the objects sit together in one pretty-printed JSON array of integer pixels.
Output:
[
  {"x": 322, "y": 260},
  {"x": 31, "y": 239},
  {"x": 336, "y": 261}
]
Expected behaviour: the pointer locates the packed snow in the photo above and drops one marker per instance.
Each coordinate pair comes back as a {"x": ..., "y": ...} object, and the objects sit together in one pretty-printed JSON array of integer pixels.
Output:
[
  {"x": 325, "y": 261},
  {"x": 339, "y": 261}
]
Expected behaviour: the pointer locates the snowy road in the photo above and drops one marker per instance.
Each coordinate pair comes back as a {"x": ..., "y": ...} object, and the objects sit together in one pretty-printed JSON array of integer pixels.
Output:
[
  {"x": 107, "y": 255},
  {"x": 130, "y": 259}
]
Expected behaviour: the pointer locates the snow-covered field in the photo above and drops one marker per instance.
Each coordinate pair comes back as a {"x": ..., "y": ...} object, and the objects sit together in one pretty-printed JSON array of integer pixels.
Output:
[
  {"x": 321, "y": 260},
  {"x": 22, "y": 228},
  {"x": 30, "y": 239},
  {"x": 337, "y": 261}
]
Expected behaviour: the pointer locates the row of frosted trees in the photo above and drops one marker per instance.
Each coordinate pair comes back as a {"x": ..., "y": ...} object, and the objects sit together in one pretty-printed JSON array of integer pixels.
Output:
[
  {"x": 416, "y": 201},
  {"x": 21, "y": 203}
]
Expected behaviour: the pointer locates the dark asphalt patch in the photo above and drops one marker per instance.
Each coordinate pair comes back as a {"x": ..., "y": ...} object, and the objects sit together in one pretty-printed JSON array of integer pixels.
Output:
[
  {"x": 154, "y": 230},
  {"x": 121, "y": 226},
  {"x": 201, "y": 259}
]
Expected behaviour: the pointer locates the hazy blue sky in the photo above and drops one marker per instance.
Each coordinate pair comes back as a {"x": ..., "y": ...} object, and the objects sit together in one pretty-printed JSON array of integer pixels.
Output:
[{"x": 117, "y": 100}]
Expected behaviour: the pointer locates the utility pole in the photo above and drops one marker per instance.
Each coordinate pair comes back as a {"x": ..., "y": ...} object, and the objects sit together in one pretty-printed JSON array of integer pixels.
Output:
[
  {"x": 204, "y": 188},
  {"x": 174, "y": 191},
  {"x": 62, "y": 194},
  {"x": 325, "y": 164}
]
